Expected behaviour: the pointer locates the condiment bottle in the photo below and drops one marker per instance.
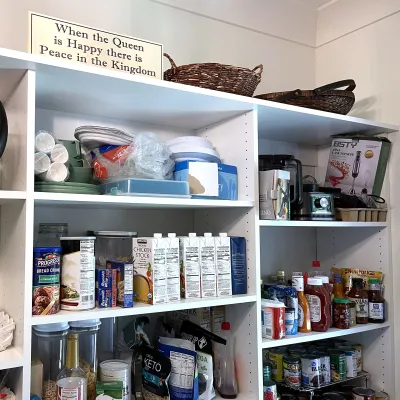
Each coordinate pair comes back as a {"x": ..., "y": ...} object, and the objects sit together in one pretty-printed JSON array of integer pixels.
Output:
[
  {"x": 280, "y": 278},
  {"x": 269, "y": 386},
  {"x": 338, "y": 290},
  {"x": 360, "y": 297},
  {"x": 376, "y": 302},
  {"x": 328, "y": 289},
  {"x": 317, "y": 297},
  {"x": 303, "y": 306}
]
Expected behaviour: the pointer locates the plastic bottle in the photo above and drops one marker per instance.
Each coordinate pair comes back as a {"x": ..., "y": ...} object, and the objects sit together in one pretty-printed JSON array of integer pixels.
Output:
[
  {"x": 303, "y": 306},
  {"x": 280, "y": 278},
  {"x": 319, "y": 305},
  {"x": 326, "y": 285},
  {"x": 269, "y": 386},
  {"x": 315, "y": 271},
  {"x": 226, "y": 381}
]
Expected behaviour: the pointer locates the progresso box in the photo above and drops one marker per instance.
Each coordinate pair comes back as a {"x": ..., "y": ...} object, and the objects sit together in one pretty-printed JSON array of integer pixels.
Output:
[
  {"x": 238, "y": 265},
  {"x": 208, "y": 180}
]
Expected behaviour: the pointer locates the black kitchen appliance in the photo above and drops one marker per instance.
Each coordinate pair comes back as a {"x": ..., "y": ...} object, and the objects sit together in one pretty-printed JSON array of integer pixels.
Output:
[
  {"x": 286, "y": 162},
  {"x": 3, "y": 129}
]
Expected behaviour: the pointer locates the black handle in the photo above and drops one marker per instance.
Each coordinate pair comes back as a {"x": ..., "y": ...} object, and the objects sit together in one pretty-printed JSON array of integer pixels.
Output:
[
  {"x": 288, "y": 96},
  {"x": 3, "y": 129},
  {"x": 351, "y": 85}
]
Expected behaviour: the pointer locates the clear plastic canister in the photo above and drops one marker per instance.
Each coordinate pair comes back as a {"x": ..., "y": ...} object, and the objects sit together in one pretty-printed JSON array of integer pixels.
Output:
[
  {"x": 49, "y": 234},
  {"x": 51, "y": 341},
  {"x": 88, "y": 336},
  {"x": 113, "y": 245}
]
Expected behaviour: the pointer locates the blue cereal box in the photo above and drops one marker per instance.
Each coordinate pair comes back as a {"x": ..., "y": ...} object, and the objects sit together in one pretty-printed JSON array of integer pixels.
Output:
[
  {"x": 103, "y": 278},
  {"x": 103, "y": 298},
  {"x": 238, "y": 265},
  {"x": 124, "y": 282},
  {"x": 104, "y": 285}
]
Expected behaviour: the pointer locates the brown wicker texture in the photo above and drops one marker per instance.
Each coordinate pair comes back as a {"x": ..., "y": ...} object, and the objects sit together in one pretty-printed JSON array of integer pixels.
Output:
[
  {"x": 325, "y": 98},
  {"x": 225, "y": 78}
]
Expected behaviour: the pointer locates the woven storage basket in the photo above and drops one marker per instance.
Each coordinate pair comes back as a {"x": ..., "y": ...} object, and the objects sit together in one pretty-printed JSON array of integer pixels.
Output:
[
  {"x": 324, "y": 98},
  {"x": 225, "y": 78}
]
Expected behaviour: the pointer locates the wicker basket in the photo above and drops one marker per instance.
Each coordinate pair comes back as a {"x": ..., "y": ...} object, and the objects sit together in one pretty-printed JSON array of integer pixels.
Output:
[
  {"x": 225, "y": 78},
  {"x": 324, "y": 98}
]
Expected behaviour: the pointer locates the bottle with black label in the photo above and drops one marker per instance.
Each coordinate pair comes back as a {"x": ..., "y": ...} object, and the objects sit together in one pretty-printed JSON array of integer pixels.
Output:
[
  {"x": 360, "y": 297},
  {"x": 376, "y": 302}
]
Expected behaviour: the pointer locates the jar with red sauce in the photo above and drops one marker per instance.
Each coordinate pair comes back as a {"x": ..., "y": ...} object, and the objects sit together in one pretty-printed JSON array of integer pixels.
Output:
[{"x": 317, "y": 297}]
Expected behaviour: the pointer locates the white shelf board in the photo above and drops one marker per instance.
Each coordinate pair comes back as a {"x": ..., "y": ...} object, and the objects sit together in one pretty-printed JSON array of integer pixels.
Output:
[
  {"x": 104, "y": 93},
  {"x": 105, "y": 201},
  {"x": 140, "y": 308},
  {"x": 10, "y": 358},
  {"x": 323, "y": 224},
  {"x": 332, "y": 333},
  {"x": 9, "y": 196}
]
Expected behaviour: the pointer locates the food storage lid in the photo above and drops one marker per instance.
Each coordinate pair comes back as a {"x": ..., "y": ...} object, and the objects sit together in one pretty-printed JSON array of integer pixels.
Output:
[
  {"x": 332, "y": 396},
  {"x": 359, "y": 391},
  {"x": 59, "y": 154},
  {"x": 57, "y": 172},
  {"x": 373, "y": 281},
  {"x": 341, "y": 300},
  {"x": 316, "y": 264},
  {"x": 78, "y": 238},
  {"x": 42, "y": 162},
  {"x": 272, "y": 303},
  {"x": 47, "y": 249},
  {"x": 86, "y": 324},
  {"x": 59, "y": 327},
  {"x": 171, "y": 235},
  {"x": 190, "y": 140},
  {"x": 315, "y": 281},
  {"x": 115, "y": 233},
  {"x": 226, "y": 326},
  {"x": 114, "y": 365}
]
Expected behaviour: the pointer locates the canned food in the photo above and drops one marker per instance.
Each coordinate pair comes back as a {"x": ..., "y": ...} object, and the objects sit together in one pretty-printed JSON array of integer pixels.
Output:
[
  {"x": 117, "y": 370},
  {"x": 381, "y": 396},
  {"x": 351, "y": 361},
  {"x": 292, "y": 371},
  {"x": 311, "y": 371},
  {"x": 77, "y": 273},
  {"x": 332, "y": 396},
  {"x": 338, "y": 365},
  {"x": 358, "y": 349},
  {"x": 325, "y": 367},
  {"x": 276, "y": 360},
  {"x": 363, "y": 394}
]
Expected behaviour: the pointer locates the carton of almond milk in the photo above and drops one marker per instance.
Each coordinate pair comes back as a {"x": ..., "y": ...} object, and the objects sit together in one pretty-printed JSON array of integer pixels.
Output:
[
  {"x": 172, "y": 267},
  {"x": 189, "y": 253},
  {"x": 223, "y": 261},
  {"x": 149, "y": 268},
  {"x": 208, "y": 266}
]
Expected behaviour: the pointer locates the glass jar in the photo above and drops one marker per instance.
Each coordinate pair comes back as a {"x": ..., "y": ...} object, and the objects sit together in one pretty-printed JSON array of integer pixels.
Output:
[
  {"x": 113, "y": 245},
  {"x": 87, "y": 338},
  {"x": 49, "y": 234},
  {"x": 341, "y": 313},
  {"x": 376, "y": 302},
  {"x": 353, "y": 314},
  {"x": 360, "y": 297},
  {"x": 51, "y": 341}
]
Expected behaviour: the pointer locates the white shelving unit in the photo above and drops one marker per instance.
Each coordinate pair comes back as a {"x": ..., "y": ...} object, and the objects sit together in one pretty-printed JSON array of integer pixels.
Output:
[{"x": 40, "y": 93}]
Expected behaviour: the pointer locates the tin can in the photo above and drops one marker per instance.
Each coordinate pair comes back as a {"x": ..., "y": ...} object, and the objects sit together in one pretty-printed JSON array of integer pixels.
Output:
[
  {"x": 338, "y": 365},
  {"x": 325, "y": 367},
  {"x": 381, "y": 396},
  {"x": 78, "y": 273},
  {"x": 276, "y": 360},
  {"x": 311, "y": 371},
  {"x": 358, "y": 349},
  {"x": 292, "y": 371},
  {"x": 363, "y": 394},
  {"x": 332, "y": 396},
  {"x": 289, "y": 321},
  {"x": 351, "y": 361},
  {"x": 117, "y": 370},
  {"x": 46, "y": 280}
]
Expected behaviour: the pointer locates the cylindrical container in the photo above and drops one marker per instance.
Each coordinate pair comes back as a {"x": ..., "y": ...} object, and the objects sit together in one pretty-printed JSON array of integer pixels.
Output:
[
  {"x": 353, "y": 314},
  {"x": 341, "y": 342},
  {"x": 338, "y": 365},
  {"x": 77, "y": 273},
  {"x": 276, "y": 360},
  {"x": 59, "y": 154},
  {"x": 341, "y": 313},
  {"x": 44, "y": 141},
  {"x": 289, "y": 320},
  {"x": 332, "y": 396},
  {"x": 351, "y": 361},
  {"x": 57, "y": 172},
  {"x": 46, "y": 280},
  {"x": 292, "y": 371},
  {"x": 50, "y": 234},
  {"x": 325, "y": 367},
  {"x": 87, "y": 336},
  {"x": 113, "y": 245},
  {"x": 358, "y": 349},
  {"x": 42, "y": 162},
  {"x": 117, "y": 370},
  {"x": 50, "y": 350},
  {"x": 381, "y": 396},
  {"x": 311, "y": 371},
  {"x": 363, "y": 394}
]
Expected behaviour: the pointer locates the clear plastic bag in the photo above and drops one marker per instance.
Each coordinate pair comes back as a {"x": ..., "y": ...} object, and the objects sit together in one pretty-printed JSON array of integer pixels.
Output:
[{"x": 147, "y": 157}]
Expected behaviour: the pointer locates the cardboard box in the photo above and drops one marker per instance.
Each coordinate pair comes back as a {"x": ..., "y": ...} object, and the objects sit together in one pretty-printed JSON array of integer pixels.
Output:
[
  {"x": 124, "y": 282},
  {"x": 112, "y": 390},
  {"x": 358, "y": 165},
  {"x": 199, "y": 316},
  {"x": 208, "y": 269},
  {"x": 208, "y": 179},
  {"x": 223, "y": 264},
  {"x": 189, "y": 253},
  {"x": 173, "y": 268},
  {"x": 239, "y": 265}
]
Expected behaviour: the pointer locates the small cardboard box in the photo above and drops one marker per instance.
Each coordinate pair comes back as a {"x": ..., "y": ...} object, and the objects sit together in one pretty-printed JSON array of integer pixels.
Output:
[
  {"x": 358, "y": 165},
  {"x": 239, "y": 265},
  {"x": 223, "y": 264},
  {"x": 173, "y": 268},
  {"x": 112, "y": 390},
  {"x": 124, "y": 284},
  {"x": 208, "y": 268},
  {"x": 189, "y": 253}
]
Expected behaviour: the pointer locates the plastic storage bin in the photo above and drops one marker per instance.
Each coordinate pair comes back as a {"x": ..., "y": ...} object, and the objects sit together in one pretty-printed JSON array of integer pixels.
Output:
[{"x": 146, "y": 187}]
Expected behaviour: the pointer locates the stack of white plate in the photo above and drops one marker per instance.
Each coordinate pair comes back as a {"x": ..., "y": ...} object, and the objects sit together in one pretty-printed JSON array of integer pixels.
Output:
[
  {"x": 7, "y": 327},
  {"x": 193, "y": 148},
  {"x": 92, "y": 137}
]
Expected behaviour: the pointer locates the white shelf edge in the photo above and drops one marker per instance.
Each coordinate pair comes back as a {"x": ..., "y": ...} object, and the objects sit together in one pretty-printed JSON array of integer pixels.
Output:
[
  {"x": 10, "y": 358},
  {"x": 9, "y": 196},
  {"x": 138, "y": 202},
  {"x": 139, "y": 309},
  {"x": 312, "y": 336},
  {"x": 323, "y": 224}
]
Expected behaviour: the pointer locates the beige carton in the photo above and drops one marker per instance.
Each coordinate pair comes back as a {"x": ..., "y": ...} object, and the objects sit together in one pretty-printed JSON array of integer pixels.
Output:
[
  {"x": 172, "y": 268},
  {"x": 208, "y": 266},
  {"x": 189, "y": 253},
  {"x": 223, "y": 261}
]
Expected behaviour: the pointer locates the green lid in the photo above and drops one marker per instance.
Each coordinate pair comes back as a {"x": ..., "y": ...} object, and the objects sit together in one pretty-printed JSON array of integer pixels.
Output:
[
  {"x": 341, "y": 300},
  {"x": 373, "y": 281}
]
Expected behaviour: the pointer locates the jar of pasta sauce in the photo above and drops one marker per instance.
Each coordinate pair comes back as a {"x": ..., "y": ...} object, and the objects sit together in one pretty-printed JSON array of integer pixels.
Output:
[
  {"x": 360, "y": 393},
  {"x": 341, "y": 313}
]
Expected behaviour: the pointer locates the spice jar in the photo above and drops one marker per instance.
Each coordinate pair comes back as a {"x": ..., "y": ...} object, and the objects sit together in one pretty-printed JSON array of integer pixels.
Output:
[
  {"x": 360, "y": 297},
  {"x": 87, "y": 338},
  {"x": 341, "y": 313},
  {"x": 50, "y": 350}
]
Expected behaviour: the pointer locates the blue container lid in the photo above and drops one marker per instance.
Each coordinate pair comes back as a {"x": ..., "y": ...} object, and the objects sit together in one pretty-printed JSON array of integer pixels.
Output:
[{"x": 47, "y": 249}]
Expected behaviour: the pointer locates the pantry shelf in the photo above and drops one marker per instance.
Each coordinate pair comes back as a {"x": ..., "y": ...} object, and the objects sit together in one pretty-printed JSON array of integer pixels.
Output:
[
  {"x": 139, "y": 309},
  {"x": 99, "y": 201},
  {"x": 323, "y": 224},
  {"x": 9, "y": 196},
  {"x": 10, "y": 358},
  {"x": 312, "y": 336}
]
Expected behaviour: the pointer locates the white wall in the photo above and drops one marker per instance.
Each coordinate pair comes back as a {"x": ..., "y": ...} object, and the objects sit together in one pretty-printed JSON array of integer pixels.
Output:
[{"x": 279, "y": 35}]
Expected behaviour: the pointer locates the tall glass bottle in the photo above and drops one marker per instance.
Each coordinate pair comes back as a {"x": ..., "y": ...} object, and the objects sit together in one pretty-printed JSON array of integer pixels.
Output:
[
  {"x": 304, "y": 307},
  {"x": 72, "y": 381}
]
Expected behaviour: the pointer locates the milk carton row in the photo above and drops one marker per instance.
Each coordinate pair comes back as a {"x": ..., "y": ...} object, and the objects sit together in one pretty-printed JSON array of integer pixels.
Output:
[{"x": 167, "y": 269}]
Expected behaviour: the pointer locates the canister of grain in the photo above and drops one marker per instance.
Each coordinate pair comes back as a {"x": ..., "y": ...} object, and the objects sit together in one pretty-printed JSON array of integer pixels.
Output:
[
  {"x": 117, "y": 370},
  {"x": 77, "y": 273}
]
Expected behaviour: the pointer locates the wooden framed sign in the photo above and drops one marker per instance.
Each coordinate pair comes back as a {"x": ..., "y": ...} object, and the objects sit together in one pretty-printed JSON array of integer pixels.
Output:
[{"x": 68, "y": 41}]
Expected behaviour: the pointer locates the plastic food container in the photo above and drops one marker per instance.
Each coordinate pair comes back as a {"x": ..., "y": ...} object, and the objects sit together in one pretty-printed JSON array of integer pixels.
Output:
[
  {"x": 146, "y": 187},
  {"x": 88, "y": 335},
  {"x": 195, "y": 141},
  {"x": 117, "y": 370},
  {"x": 51, "y": 341},
  {"x": 362, "y": 214}
]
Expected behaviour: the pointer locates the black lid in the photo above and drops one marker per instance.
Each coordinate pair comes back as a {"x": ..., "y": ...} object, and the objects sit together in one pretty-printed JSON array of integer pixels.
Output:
[
  {"x": 332, "y": 396},
  {"x": 358, "y": 283}
]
